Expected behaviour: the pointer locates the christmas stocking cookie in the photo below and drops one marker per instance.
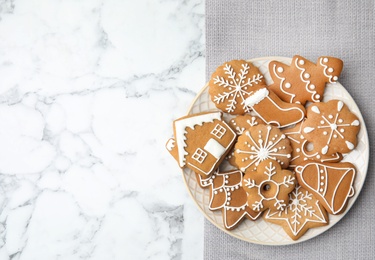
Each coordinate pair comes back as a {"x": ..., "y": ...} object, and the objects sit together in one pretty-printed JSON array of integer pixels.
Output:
[
  {"x": 331, "y": 183},
  {"x": 272, "y": 110},
  {"x": 304, "y": 80}
]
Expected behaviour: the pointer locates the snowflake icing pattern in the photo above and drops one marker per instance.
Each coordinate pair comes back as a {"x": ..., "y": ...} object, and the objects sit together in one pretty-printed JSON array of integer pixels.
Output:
[
  {"x": 237, "y": 86},
  {"x": 299, "y": 211},
  {"x": 269, "y": 172},
  {"x": 263, "y": 149},
  {"x": 333, "y": 127}
]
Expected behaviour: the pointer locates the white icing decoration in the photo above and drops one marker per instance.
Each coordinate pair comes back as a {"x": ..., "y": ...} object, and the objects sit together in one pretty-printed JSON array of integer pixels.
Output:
[
  {"x": 325, "y": 69},
  {"x": 280, "y": 69},
  {"x": 315, "y": 109},
  {"x": 304, "y": 76},
  {"x": 214, "y": 148},
  {"x": 355, "y": 123},
  {"x": 180, "y": 126},
  {"x": 288, "y": 85},
  {"x": 257, "y": 97},
  {"x": 270, "y": 171},
  {"x": 259, "y": 112},
  {"x": 226, "y": 189},
  {"x": 330, "y": 204},
  {"x": 299, "y": 212},
  {"x": 239, "y": 86},
  {"x": 263, "y": 149},
  {"x": 349, "y": 145},
  {"x": 330, "y": 70},
  {"x": 170, "y": 144},
  {"x": 340, "y": 104},
  {"x": 308, "y": 129},
  {"x": 282, "y": 79},
  {"x": 334, "y": 126}
]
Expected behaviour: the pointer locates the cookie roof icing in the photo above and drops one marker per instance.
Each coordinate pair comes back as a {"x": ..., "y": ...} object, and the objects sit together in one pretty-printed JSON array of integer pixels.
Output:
[{"x": 180, "y": 130}]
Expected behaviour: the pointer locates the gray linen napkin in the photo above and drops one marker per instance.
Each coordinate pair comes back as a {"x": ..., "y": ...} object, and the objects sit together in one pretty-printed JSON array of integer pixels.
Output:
[{"x": 242, "y": 29}]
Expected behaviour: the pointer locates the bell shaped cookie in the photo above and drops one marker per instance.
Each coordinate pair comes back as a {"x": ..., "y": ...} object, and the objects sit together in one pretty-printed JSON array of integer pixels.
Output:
[{"x": 331, "y": 183}]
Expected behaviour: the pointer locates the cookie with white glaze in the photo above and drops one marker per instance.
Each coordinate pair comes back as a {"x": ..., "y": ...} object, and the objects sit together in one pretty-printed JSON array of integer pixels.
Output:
[
  {"x": 269, "y": 186},
  {"x": 331, "y": 127},
  {"x": 303, "y": 80},
  {"x": 331, "y": 183},
  {"x": 228, "y": 195},
  {"x": 259, "y": 143},
  {"x": 303, "y": 212},
  {"x": 201, "y": 142},
  {"x": 303, "y": 150},
  {"x": 232, "y": 83}
]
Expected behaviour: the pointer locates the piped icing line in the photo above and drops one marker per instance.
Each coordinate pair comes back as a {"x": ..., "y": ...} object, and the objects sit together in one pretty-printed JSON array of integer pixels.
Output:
[
  {"x": 307, "y": 82},
  {"x": 282, "y": 83},
  {"x": 298, "y": 209},
  {"x": 237, "y": 87},
  {"x": 321, "y": 60},
  {"x": 256, "y": 149},
  {"x": 270, "y": 171},
  {"x": 180, "y": 131},
  {"x": 227, "y": 189},
  {"x": 262, "y": 94},
  {"x": 299, "y": 170}
]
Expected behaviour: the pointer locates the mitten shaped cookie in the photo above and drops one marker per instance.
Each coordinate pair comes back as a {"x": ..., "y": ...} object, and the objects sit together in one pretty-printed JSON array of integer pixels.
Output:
[
  {"x": 272, "y": 110},
  {"x": 304, "y": 80},
  {"x": 331, "y": 183},
  {"x": 201, "y": 142},
  {"x": 269, "y": 186},
  {"x": 232, "y": 83},
  {"x": 331, "y": 127}
]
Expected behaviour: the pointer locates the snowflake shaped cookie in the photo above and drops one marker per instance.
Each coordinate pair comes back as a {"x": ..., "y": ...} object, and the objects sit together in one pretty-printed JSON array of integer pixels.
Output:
[
  {"x": 232, "y": 83},
  {"x": 228, "y": 195},
  {"x": 303, "y": 212},
  {"x": 259, "y": 143},
  {"x": 303, "y": 150},
  {"x": 331, "y": 127},
  {"x": 268, "y": 186}
]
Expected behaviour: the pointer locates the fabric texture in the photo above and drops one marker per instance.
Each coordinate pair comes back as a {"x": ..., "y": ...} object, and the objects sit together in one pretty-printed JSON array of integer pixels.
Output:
[{"x": 241, "y": 29}]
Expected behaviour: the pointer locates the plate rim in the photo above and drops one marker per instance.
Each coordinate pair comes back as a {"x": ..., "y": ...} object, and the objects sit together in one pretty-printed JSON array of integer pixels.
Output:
[{"x": 292, "y": 242}]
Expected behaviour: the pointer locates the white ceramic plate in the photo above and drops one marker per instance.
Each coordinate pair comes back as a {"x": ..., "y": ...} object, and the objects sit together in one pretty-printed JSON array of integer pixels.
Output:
[{"x": 259, "y": 231}]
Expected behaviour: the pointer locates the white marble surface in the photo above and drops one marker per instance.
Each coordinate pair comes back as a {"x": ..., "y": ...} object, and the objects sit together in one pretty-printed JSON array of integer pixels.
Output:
[{"x": 88, "y": 92}]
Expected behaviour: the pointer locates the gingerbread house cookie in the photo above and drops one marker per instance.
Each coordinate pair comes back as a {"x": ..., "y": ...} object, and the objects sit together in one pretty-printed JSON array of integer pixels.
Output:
[{"x": 201, "y": 142}]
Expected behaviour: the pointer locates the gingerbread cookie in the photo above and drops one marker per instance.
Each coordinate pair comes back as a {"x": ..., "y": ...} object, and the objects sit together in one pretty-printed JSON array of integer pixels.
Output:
[
  {"x": 228, "y": 195},
  {"x": 259, "y": 143},
  {"x": 303, "y": 212},
  {"x": 331, "y": 183},
  {"x": 331, "y": 127},
  {"x": 201, "y": 142},
  {"x": 243, "y": 122},
  {"x": 302, "y": 150},
  {"x": 303, "y": 80},
  {"x": 232, "y": 83},
  {"x": 272, "y": 110},
  {"x": 269, "y": 186}
]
